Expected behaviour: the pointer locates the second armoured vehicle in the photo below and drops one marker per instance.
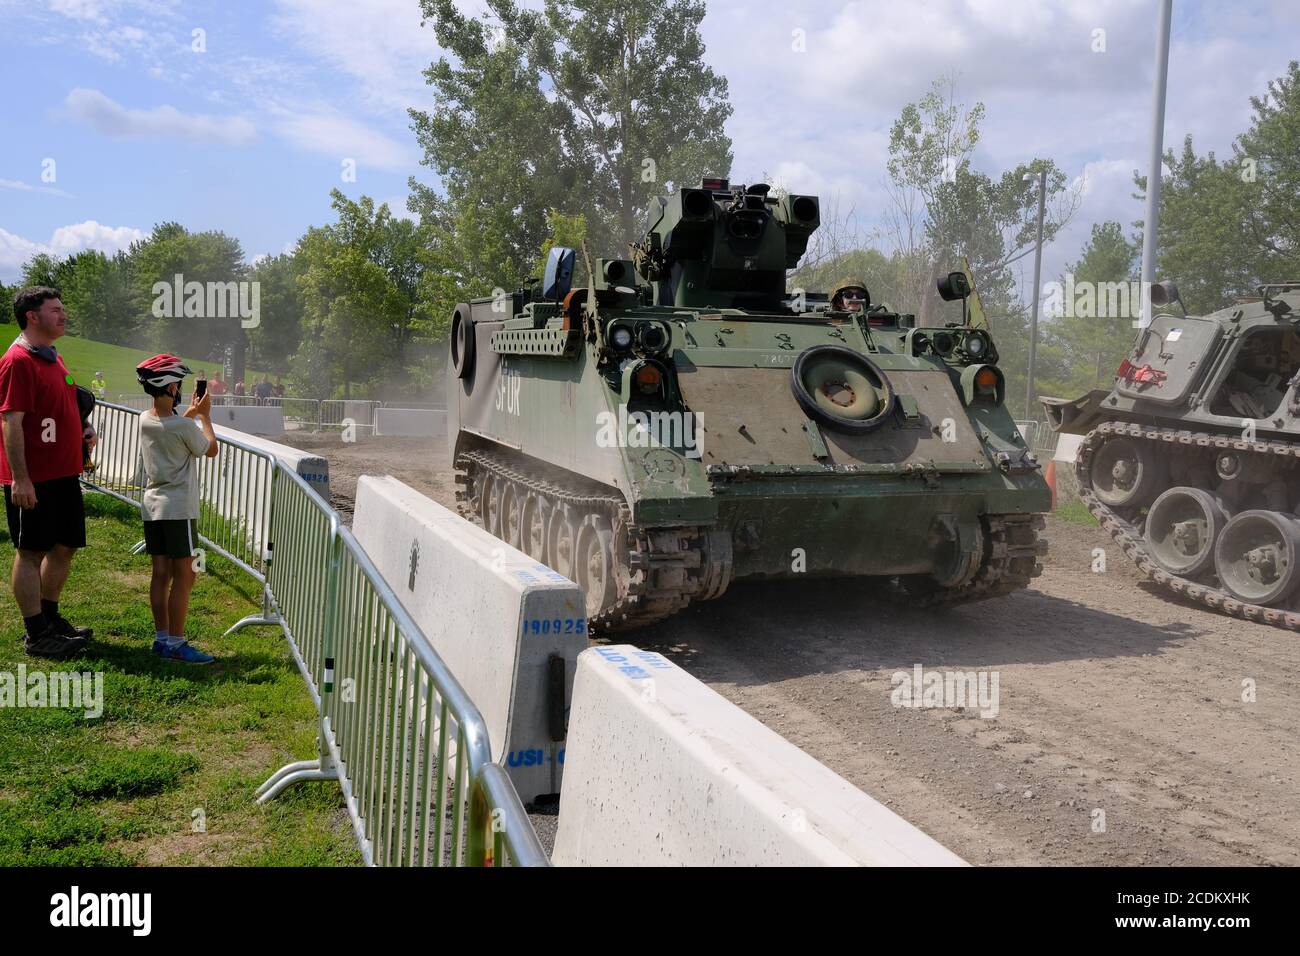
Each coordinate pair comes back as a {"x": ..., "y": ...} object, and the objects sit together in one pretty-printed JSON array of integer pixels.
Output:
[
  {"x": 1192, "y": 461},
  {"x": 683, "y": 421}
]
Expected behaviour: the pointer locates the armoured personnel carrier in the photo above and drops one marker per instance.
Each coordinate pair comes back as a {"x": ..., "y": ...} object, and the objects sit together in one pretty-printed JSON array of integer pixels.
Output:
[
  {"x": 679, "y": 421},
  {"x": 1190, "y": 461}
]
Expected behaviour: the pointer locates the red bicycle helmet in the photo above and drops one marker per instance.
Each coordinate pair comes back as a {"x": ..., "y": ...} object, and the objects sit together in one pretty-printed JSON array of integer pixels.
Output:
[{"x": 161, "y": 370}]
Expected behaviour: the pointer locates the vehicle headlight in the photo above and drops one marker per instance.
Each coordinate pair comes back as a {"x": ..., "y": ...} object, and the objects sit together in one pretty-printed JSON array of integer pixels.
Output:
[
  {"x": 975, "y": 346},
  {"x": 620, "y": 336}
]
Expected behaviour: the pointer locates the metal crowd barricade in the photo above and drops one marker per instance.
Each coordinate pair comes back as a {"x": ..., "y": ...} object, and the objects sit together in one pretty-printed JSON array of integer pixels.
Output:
[
  {"x": 337, "y": 412},
  {"x": 407, "y": 746},
  {"x": 300, "y": 414}
]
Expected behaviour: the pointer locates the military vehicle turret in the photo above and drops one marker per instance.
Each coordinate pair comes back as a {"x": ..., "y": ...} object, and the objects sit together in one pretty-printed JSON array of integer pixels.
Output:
[
  {"x": 1190, "y": 461},
  {"x": 678, "y": 420}
]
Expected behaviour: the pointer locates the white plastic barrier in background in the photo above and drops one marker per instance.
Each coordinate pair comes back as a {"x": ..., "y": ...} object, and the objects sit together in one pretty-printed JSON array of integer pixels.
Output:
[
  {"x": 662, "y": 770},
  {"x": 510, "y": 629},
  {"x": 1067, "y": 448},
  {"x": 411, "y": 422},
  {"x": 250, "y": 419}
]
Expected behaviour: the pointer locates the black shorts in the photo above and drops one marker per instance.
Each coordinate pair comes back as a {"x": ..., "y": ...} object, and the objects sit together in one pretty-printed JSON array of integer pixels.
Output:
[
  {"x": 174, "y": 538},
  {"x": 58, "y": 518}
]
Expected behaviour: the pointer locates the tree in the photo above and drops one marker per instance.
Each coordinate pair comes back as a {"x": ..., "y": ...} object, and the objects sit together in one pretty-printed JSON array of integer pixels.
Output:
[
  {"x": 47, "y": 270},
  {"x": 1268, "y": 161},
  {"x": 278, "y": 334},
  {"x": 358, "y": 281},
  {"x": 7, "y": 295},
  {"x": 101, "y": 296},
  {"x": 1082, "y": 347},
  {"x": 1226, "y": 227},
  {"x": 590, "y": 108},
  {"x": 944, "y": 209},
  {"x": 1203, "y": 242},
  {"x": 203, "y": 257}
]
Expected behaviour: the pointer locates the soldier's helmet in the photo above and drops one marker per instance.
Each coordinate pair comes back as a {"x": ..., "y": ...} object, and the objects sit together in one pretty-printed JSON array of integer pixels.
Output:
[{"x": 851, "y": 294}]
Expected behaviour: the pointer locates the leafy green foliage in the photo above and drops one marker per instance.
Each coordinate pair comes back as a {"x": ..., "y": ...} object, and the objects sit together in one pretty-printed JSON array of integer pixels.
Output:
[
  {"x": 359, "y": 285},
  {"x": 1226, "y": 227},
  {"x": 1082, "y": 348},
  {"x": 591, "y": 108}
]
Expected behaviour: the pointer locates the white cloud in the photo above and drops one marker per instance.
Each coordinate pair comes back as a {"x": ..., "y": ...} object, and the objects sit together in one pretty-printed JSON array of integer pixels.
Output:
[
  {"x": 81, "y": 9},
  {"x": 21, "y": 186},
  {"x": 162, "y": 122},
  {"x": 819, "y": 120},
  {"x": 379, "y": 42},
  {"x": 345, "y": 138},
  {"x": 66, "y": 241}
]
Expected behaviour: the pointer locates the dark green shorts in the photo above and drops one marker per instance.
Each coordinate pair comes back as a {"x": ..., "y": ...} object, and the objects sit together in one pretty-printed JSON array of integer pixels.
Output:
[{"x": 175, "y": 539}]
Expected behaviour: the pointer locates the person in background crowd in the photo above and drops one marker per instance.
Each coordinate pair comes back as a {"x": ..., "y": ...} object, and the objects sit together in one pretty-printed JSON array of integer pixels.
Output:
[
  {"x": 169, "y": 443},
  {"x": 239, "y": 388},
  {"x": 98, "y": 384},
  {"x": 263, "y": 390},
  {"x": 217, "y": 386},
  {"x": 278, "y": 391},
  {"x": 40, "y": 467}
]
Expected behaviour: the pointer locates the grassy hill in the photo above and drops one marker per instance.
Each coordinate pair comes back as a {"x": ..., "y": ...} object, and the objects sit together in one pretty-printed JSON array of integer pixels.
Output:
[{"x": 84, "y": 357}]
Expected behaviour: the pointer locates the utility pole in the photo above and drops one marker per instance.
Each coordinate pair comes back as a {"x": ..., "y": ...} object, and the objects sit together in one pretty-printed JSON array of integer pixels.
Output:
[
  {"x": 1157, "y": 157},
  {"x": 1030, "y": 415}
]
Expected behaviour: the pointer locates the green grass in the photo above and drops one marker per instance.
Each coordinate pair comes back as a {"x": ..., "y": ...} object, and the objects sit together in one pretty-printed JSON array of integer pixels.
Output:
[
  {"x": 174, "y": 739},
  {"x": 1075, "y": 512},
  {"x": 84, "y": 358}
]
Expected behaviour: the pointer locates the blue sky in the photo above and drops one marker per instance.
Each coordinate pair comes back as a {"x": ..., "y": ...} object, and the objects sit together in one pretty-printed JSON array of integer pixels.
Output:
[{"x": 249, "y": 134}]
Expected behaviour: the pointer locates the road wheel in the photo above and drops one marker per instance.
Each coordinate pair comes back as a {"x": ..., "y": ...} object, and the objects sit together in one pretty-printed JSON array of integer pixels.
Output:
[
  {"x": 1257, "y": 556},
  {"x": 532, "y": 527},
  {"x": 595, "y": 564},
  {"x": 1182, "y": 527},
  {"x": 510, "y": 514},
  {"x": 486, "y": 506},
  {"x": 561, "y": 542},
  {"x": 1126, "y": 473}
]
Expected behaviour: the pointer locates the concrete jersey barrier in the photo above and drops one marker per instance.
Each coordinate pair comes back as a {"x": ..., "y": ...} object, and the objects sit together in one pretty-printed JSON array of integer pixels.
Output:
[
  {"x": 411, "y": 422},
  {"x": 662, "y": 770},
  {"x": 250, "y": 419},
  {"x": 510, "y": 629}
]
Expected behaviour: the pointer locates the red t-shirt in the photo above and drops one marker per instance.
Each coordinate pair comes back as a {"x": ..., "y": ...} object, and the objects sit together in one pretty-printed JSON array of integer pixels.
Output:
[{"x": 52, "y": 423}]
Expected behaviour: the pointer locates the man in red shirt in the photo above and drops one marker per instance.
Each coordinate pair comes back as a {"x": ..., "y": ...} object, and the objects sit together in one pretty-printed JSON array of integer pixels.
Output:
[{"x": 40, "y": 468}]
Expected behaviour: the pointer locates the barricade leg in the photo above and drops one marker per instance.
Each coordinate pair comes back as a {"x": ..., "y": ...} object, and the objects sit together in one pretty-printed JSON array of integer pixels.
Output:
[
  {"x": 322, "y": 768},
  {"x": 267, "y": 616}
]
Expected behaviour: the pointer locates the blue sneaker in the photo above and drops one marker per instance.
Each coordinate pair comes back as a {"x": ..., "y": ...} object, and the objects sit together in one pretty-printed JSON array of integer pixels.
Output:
[{"x": 182, "y": 652}]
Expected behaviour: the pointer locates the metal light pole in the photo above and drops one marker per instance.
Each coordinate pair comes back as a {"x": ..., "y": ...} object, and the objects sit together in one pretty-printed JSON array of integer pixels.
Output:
[
  {"x": 1038, "y": 275},
  {"x": 1157, "y": 151}
]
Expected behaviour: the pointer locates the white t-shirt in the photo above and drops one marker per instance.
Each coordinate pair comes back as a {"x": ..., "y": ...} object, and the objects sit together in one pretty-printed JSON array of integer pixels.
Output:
[{"x": 169, "y": 446}]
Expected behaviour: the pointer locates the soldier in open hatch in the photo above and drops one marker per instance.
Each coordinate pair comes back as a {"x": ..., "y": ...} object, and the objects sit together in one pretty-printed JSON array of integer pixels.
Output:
[
  {"x": 169, "y": 443},
  {"x": 849, "y": 296}
]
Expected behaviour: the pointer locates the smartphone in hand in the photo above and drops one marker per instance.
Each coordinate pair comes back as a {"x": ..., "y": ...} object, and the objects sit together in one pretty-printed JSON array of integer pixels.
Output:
[{"x": 200, "y": 387}]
